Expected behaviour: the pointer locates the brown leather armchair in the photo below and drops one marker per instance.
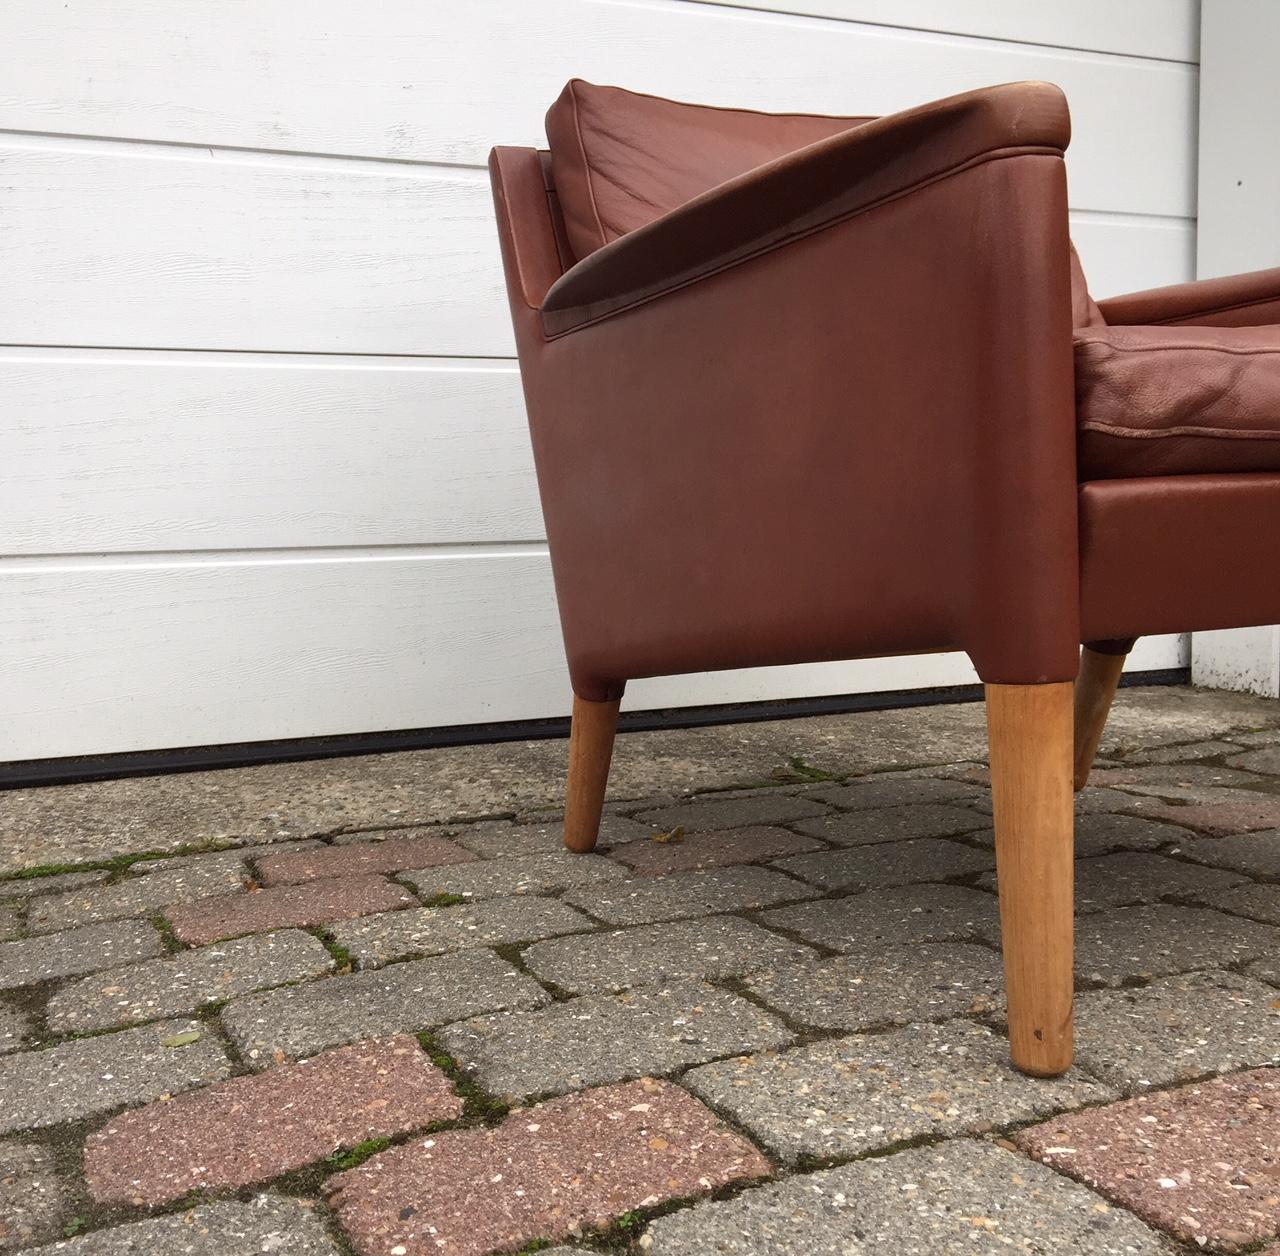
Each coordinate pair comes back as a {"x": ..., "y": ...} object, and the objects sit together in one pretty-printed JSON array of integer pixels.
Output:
[{"x": 806, "y": 388}]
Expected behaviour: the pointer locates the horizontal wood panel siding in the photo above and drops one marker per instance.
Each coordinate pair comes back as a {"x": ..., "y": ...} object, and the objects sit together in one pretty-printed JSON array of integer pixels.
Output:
[
  {"x": 314, "y": 645},
  {"x": 266, "y": 471},
  {"x": 119, "y": 452},
  {"x": 1166, "y": 29},
  {"x": 445, "y": 82},
  {"x": 103, "y": 243}
]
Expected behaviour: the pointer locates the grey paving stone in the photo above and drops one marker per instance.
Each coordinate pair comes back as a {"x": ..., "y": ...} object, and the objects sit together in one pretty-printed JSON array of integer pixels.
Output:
[
  {"x": 186, "y": 981},
  {"x": 1266, "y": 760},
  {"x": 894, "y": 789},
  {"x": 1259, "y": 902},
  {"x": 1129, "y": 878},
  {"x": 534, "y": 874},
  {"x": 894, "y": 824},
  {"x": 1103, "y": 833},
  {"x": 1136, "y": 943},
  {"x": 1178, "y": 782},
  {"x": 139, "y": 895},
  {"x": 381, "y": 835},
  {"x": 714, "y": 812},
  {"x": 890, "y": 986},
  {"x": 907, "y": 914},
  {"x": 1255, "y": 736},
  {"x": 1176, "y": 1029},
  {"x": 269, "y": 1223},
  {"x": 845, "y": 1096},
  {"x": 647, "y": 900},
  {"x": 801, "y": 787},
  {"x": 891, "y": 863},
  {"x": 1266, "y": 969},
  {"x": 1133, "y": 877},
  {"x": 35, "y": 1201},
  {"x": 1188, "y": 753},
  {"x": 717, "y": 946},
  {"x": 215, "y": 860},
  {"x": 712, "y": 848},
  {"x": 375, "y": 940},
  {"x": 402, "y": 998},
  {"x": 56, "y": 883},
  {"x": 31, "y": 960},
  {"x": 10, "y": 922},
  {"x": 963, "y": 1197},
  {"x": 502, "y": 839},
  {"x": 15, "y": 1028},
  {"x": 609, "y": 1038},
  {"x": 1257, "y": 854},
  {"x": 1099, "y": 799},
  {"x": 90, "y": 1075}
]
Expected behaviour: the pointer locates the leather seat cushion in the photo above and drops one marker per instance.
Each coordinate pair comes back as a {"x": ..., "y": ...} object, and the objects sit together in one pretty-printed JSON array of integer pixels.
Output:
[
  {"x": 1177, "y": 400},
  {"x": 620, "y": 159}
]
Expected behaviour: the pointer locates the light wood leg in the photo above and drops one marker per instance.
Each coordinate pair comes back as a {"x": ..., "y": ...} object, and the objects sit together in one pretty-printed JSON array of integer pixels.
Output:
[
  {"x": 1095, "y": 690},
  {"x": 1029, "y": 730},
  {"x": 590, "y": 749}
]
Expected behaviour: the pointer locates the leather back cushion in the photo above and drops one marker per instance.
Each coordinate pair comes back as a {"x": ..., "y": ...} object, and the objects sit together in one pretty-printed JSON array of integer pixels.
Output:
[{"x": 620, "y": 159}]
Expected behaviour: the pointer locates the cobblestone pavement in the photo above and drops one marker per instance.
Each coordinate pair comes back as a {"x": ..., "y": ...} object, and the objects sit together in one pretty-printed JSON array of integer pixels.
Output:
[{"x": 350, "y": 1016}]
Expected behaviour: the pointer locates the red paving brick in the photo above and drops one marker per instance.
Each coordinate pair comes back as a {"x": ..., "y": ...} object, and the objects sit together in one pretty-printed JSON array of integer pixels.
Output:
[
  {"x": 1223, "y": 818},
  {"x": 297, "y": 906},
  {"x": 545, "y": 1172},
  {"x": 712, "y": 850},
  {"x": 1202, "y": 1163},
  {"x": 360, "y": 859},
  {"x": 250, "y": 1129}
]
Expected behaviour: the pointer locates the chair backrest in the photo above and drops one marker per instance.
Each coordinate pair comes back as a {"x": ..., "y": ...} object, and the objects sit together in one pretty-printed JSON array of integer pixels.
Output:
[{"x": 621, "y": 159}]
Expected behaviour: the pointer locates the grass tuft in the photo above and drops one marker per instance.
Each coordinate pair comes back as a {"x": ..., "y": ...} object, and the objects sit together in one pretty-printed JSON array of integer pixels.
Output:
[
  {"x": 446, "y": 900},
  {"x": 340, "y": 1161}
]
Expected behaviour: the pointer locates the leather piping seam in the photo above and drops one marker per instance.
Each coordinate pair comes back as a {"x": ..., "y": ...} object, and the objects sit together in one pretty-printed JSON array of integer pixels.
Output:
[
  {"x": 586, "y": 165},
  {"x": 1083, "y": 342},
  {"x": 1191, "y": 429},
  {"x": 970, "y": 163}
]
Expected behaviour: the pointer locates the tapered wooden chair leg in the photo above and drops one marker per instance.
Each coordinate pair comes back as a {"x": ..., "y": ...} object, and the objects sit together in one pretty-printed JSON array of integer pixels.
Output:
[
  {"x": 1029, "y": 731},
  {"x": 590, "y": 749},
  {"x": 1095, "y": 691}
]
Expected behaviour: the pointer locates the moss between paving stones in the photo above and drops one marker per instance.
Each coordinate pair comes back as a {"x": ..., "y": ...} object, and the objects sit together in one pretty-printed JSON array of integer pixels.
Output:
[{"x": 117, "y": 863}]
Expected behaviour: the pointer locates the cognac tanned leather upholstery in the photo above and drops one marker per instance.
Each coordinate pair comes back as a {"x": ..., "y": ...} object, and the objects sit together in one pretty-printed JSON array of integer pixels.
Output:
[
  {"x": 1177, "y": 400},
  {"x": 803, "y": 388}
]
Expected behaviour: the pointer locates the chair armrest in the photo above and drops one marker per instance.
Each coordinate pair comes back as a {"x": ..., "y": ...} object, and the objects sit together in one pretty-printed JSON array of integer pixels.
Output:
[
  {"x": 1247, "y": 300},
  {"x": 805, "y": 192}
]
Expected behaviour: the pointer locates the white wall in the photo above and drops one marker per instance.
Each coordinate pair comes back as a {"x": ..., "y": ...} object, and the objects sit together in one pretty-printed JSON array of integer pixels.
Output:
[
  {"x": 264, "y": 466},
  {"x": 1239, "y": 178}
]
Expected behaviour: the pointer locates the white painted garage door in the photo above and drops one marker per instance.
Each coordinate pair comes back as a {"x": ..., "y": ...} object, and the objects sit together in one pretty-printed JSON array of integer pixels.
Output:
[{"x": 264, "y": 465}]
